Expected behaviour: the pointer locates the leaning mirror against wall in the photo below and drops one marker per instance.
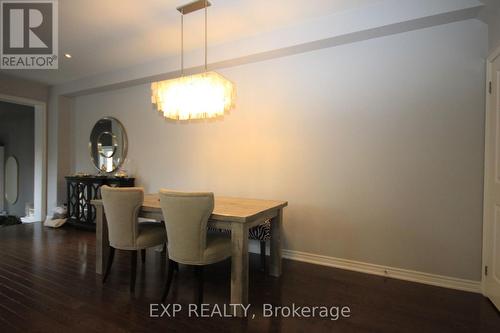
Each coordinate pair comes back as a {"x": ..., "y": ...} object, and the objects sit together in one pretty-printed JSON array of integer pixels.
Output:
[
  {"x": 11, "y": 180},
  {"x": 108, "y": 145}
]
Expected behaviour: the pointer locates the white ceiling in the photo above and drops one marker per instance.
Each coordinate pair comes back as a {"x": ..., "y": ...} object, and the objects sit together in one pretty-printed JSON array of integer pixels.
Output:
[{"x": 105, "y": 36}]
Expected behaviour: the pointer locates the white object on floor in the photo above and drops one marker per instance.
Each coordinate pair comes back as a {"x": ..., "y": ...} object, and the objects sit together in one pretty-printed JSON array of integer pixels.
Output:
[
  {"x": 54, "y": 223},
  {"x": 60, "y": 210},
  {"x": 59, "y": 213},
  {"x": 28, "y": 219}
]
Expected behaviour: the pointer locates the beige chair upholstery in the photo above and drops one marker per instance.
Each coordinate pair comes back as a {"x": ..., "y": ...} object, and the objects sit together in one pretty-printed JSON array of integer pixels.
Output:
[
  {"x": 186, "y": 216},
  {"x": 121, "y": 207}
]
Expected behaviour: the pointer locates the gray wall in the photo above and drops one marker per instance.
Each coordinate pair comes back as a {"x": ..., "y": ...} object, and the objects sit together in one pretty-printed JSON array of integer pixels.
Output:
[
  {"x": 17, "y": 134},
  {"x": 14, "y": 86},
  {"x": 491, "y": 16},
  {"x": 377, "y": 146},
  {"x": 494, "y": 28}
]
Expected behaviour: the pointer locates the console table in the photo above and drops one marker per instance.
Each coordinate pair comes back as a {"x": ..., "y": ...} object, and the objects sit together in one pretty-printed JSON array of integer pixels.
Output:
[{"x": 81, "y": 190}]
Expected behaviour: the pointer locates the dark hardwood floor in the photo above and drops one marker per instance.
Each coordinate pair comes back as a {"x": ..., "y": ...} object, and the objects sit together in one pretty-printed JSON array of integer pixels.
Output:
[{"x": 48, "y": 284}]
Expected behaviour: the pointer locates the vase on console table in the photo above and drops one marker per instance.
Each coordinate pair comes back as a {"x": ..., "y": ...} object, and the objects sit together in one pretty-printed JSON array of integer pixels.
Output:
[{"x": 126, "y": 169}]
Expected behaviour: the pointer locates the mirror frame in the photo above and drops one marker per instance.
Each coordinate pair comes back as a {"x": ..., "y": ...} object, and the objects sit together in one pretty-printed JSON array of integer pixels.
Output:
[{"x": 125, "y": 146}]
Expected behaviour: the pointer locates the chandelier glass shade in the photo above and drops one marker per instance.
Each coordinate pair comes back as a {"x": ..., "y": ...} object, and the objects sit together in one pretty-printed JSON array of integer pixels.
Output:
[{"x": 199, "y": 96}]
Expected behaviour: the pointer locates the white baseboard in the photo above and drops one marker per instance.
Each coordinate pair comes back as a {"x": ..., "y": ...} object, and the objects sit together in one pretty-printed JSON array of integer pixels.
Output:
[{"x": 391, "y": 272}]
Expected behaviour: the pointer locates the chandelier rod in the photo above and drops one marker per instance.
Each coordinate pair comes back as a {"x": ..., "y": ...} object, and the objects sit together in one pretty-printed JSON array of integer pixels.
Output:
[
  {"x": 182, "y": 44},
  {"x": 206, "y": 38},
  {"x": 189, "y": 8}
]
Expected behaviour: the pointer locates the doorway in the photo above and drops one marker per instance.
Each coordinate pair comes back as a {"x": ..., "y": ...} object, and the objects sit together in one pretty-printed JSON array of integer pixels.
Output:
[{"x": 39, "y": 196}]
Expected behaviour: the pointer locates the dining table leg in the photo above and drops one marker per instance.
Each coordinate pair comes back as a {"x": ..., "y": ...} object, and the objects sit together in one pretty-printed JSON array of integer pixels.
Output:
[
  {"x": 239, "y": 266},
  {"x": 276, "y": 234},
  {"x": 102, "y": 241}
]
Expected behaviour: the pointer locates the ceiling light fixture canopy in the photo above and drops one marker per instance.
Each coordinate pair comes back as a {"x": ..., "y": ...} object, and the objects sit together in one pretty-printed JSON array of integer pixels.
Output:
[{"x": 198, "y": 96}]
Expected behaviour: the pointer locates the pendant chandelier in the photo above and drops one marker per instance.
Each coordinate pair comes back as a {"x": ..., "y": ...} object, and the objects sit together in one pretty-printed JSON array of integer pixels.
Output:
[{"x": 198, "y": 96}]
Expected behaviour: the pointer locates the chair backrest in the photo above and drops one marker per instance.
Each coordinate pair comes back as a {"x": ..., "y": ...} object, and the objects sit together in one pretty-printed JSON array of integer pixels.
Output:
[
  {"x": 122, "y": 206},
  {"x": 186, "y": 216}
]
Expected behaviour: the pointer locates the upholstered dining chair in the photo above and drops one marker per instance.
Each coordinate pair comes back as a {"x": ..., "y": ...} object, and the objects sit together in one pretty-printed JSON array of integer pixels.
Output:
[
  {"x": 121, "y": 206},
  {"x": 186, "y": 216}
]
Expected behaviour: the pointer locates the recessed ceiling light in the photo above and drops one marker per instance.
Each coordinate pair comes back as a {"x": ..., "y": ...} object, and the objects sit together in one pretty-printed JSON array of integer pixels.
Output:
[{"x": 67, "y": 55}]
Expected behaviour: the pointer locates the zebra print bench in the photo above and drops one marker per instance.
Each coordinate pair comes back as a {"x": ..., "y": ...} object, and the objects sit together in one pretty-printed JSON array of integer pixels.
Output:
[{"x": 262, "y": 233}]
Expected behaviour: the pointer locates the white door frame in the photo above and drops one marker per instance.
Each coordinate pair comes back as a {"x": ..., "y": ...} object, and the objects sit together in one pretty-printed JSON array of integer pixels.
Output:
[
  {"x": 40, "y": 159},
  {"x": 489, "y": 66}
]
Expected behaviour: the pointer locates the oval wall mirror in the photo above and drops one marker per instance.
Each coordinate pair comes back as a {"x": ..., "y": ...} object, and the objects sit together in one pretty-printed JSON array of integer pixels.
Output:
[
  {"x": 108, "y": 145},
  {"x": 11, "y": 180}
]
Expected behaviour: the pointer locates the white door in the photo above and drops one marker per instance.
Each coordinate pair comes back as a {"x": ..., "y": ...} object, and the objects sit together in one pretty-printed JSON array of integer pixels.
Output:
[{"x": 491, "y": 226}]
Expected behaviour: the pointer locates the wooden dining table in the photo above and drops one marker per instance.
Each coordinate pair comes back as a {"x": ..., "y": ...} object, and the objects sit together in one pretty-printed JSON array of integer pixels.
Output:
[{"x": 235, "y": 214}]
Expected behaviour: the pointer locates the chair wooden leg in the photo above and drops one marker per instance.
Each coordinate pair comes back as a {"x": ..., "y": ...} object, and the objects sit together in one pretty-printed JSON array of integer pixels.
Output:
[
  {"x": 199, "y": 276},
  {"x": 168, "y": 282},
  {"x": 143, "y": 255},
  {"x": 133, "y": 270},
  {"x": 263, "y": 255},
  {"x": 110, "y": 262}
]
